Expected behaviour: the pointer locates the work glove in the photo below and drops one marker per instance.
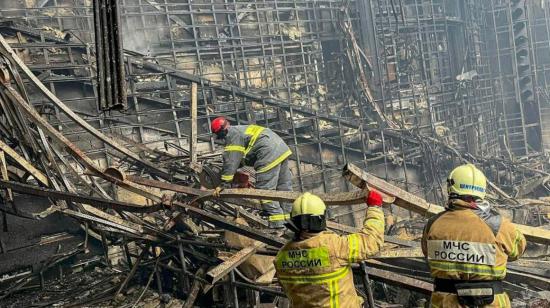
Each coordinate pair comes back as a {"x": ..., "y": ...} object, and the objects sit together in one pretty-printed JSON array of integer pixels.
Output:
[
  {"x": 217, "y": 191},
  {"x": 220, "y": 188},
  {"x": 374, "y": 198}
]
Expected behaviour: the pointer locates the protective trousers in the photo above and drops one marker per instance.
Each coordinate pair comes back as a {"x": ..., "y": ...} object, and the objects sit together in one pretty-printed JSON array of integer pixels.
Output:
[
  {"x": 277, "y": 178},
  {"x": 444, "y": 300}
]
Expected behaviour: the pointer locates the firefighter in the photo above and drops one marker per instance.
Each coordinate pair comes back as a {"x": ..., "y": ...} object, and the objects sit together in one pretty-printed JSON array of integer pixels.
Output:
[
  {"x": 314, "y": 268},
  {"x": 467, "y": 246},
  {"x": 261, "y": 148}
]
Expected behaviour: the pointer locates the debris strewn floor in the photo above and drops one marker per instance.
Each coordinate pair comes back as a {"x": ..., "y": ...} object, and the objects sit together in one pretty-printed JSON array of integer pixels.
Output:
[{"x": 107, "y": 161}]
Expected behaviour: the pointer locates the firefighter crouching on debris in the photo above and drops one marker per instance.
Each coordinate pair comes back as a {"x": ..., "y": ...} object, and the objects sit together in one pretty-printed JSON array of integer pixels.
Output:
[
  {"x": 468, "y": 245},
  {"x": 259, "y": 147},
  {"x": 315, "y": 267}
]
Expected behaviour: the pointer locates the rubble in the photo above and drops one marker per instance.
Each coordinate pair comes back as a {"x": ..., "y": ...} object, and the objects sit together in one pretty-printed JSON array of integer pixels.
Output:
[{"x": 109, "y": 173}]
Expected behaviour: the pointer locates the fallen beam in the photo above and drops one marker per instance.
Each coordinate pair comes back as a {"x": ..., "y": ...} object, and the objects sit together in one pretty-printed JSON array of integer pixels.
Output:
[
  {"x": 101, "y": 221},
  {"x": 67, "y": 196},
  {"x": 406, "y": 200},
  {"x": 219, "y": 271},
  {"x": 403, "y": 198},
  {"x": 195, "y": 288},
  {"x": 5, "y": 176},
  {"x": 37, "y": 174},
  {"x": 232, "y": 226},
  {"x": 123, "y": 206},
  {"x": 115, "y": 219},
  {"x": 346, "y": 198},
  {"x": 399, "y": 253},
  {"x": 400, "y": 280}
]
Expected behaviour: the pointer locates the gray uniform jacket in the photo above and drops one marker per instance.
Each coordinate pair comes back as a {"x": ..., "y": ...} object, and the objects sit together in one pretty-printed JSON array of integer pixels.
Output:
[{"x": 253, "y": 145}]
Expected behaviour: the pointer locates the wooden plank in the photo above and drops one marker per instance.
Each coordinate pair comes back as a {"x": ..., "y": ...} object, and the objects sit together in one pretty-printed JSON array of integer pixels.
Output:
[
  {"x": 400, "y": 280},
  {"x": 112, "y": 218},
  {"x": 195, "y": 288},
  {"x": 400, "y": 253},
  {"x": 193, "y": 135},
  {"x": 37, "y": 174},
  {"x": 343, "y": 198},
  {"x": 219, "y": 271},
  {"x": 416, "y": 204},
  {"x": 4, "y": 173},
  {"x": 78, "y": 198}
]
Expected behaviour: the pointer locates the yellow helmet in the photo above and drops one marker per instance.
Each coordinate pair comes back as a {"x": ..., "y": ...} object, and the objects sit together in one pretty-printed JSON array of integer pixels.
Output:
[
  {"x": 308, "y": 204},
  {"x": 308, "y": 213},
  {"x": 467, "y": 180}
]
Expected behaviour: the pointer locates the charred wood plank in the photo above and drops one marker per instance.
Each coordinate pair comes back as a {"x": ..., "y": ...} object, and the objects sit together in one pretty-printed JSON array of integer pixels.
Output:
[
  {"x": 195, "y": 288},
  {"x": 100, "y": 202},
  {"x": 73, "y": 197},
  {"x": 101, "y": 221},
  {"x": 226, "y": 224},
  {"x": 400, "y": 253},
  {"x": 416, "y": 204},
  {"x": 4, "y": 175},
  {"x": 345, "y": 198},
  {"x": 132, "y": 271},
  {"x": 401, "y": 280},
  {"x": 219, "y": 271},
  {"x": 37, "y": 174}
]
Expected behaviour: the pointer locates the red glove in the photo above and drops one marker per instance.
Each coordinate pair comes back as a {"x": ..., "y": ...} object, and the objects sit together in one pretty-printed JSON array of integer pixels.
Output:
[{"x": 373, "y": 198}]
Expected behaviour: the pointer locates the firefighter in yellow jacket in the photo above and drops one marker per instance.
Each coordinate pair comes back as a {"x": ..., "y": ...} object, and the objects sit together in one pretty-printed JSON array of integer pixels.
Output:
[
  {"x": 315, "y": 267},
  {"x": 469, "y": 244}
]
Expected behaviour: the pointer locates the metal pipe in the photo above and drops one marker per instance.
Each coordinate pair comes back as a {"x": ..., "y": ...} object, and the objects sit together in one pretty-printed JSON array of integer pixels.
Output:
[
  {"x": 234, "y": 289},
  {"x": 366, "y": 283},
  {"x": 184, "y": 277}
]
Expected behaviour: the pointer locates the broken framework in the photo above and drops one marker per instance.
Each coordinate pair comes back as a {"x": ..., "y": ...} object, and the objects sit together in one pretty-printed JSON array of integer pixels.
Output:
[
  {"x": 154, "y": 84},
  {"x": 296, "y": 53}
]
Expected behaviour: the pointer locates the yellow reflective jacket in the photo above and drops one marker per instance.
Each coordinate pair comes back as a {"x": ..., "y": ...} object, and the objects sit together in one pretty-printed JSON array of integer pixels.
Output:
[
  {"x": 460, "y": 245},
  {"x": 315, "y": 271}
]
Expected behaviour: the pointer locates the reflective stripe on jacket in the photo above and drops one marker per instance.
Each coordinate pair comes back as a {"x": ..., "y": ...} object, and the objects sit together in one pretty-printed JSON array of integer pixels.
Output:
[
  {"x": 459, "y": 245},
  {"x": 256, "y": 145},
  {"x": 316, "y": 271}
]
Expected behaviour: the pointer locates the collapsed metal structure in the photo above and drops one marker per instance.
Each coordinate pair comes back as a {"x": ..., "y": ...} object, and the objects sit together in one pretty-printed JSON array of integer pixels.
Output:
[{"x": 402, "y": 89}]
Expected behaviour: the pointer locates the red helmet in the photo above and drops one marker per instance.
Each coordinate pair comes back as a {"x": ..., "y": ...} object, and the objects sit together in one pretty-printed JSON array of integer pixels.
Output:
[{"x": 219, "y": 124}]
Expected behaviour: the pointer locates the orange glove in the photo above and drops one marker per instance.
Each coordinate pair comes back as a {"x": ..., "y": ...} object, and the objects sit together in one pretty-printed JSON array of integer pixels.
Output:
[{"x": 374, "y": 198}]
